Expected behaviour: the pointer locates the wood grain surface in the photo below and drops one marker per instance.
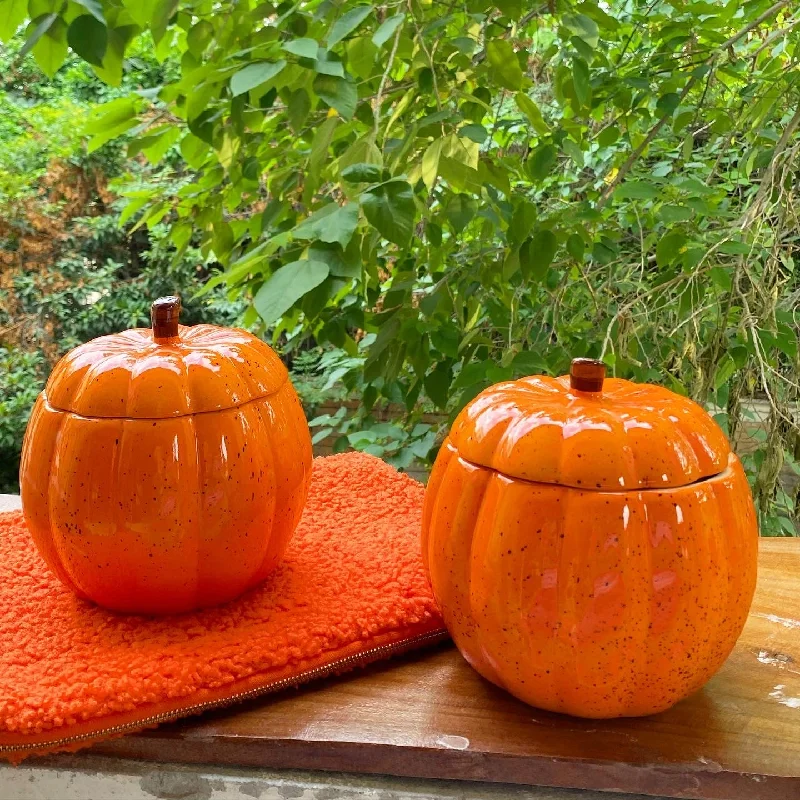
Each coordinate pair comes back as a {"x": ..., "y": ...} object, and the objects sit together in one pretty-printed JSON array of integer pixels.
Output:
[{"x": 429, "y": 715}]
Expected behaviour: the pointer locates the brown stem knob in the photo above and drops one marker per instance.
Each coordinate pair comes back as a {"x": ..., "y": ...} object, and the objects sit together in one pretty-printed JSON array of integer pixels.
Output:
[
  {"x": 164, "y": 315},
  {"x": 587, "y": 375}
]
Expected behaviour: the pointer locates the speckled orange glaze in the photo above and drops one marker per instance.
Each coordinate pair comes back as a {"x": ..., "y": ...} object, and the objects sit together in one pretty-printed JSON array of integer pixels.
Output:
[
  {"x": 617, "y": 599},
  {"x": 163, "y": 476}
]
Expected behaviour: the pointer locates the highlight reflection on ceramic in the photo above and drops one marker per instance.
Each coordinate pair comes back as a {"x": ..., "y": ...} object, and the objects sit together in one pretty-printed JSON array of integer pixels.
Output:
[{"x": 539, "y": 429}]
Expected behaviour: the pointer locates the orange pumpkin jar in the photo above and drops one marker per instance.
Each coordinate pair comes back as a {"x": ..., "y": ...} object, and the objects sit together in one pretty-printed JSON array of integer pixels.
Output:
[
  {"x": 165, "y": 470},
  {"x": 591, "y": 544}
]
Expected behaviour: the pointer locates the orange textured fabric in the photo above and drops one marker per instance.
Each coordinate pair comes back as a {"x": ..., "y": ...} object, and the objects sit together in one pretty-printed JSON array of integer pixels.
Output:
[{"x": 351, "y": 589}]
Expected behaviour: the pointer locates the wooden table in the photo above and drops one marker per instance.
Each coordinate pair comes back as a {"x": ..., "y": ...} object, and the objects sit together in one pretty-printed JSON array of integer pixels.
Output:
[{"x": 428, "y": 715}]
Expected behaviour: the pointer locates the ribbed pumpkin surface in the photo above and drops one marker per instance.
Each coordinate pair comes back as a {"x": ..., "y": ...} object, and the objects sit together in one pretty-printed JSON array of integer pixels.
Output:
[
  {"x": 164, "y": 474},
  {"x": 129, "y": 375},
  {"x": 629, "y": 436}
]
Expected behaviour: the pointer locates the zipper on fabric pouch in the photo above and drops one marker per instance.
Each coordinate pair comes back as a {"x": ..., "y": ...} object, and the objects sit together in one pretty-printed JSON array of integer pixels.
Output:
[{"x": 285, "y": 683}]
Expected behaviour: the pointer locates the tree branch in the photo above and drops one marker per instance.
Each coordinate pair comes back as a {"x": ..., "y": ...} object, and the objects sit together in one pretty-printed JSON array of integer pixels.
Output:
[
  {"x": 653, "y": 132},
  {"x": 636, "y": 154},
  {"x": 376, "y": 108}
]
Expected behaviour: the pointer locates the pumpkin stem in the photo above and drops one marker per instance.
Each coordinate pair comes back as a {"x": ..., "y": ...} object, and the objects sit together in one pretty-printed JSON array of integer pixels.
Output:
[
  {"x": 587, "y": 375},
  {"x": 164, "y": 315}
]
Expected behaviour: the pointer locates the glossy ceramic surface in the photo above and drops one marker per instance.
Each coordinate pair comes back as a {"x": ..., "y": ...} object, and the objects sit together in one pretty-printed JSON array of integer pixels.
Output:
[
  {"x": 605, "y": 596},
  {"x": 592, "y": 603},
  {"x": 159, "y": 477},
  {"x": 628, "y": 436},
  {"x": 206, "y": 368}
]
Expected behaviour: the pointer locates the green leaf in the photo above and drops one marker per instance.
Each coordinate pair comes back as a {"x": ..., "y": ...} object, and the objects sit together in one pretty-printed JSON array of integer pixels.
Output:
[
  {"x": 251, "y": 169},
  {"x": 51, "y": 49},
  {"x": 361, "y": 151},
  {"x": 298, "y": 108},
  {"x": 541, "y": 249},
  {"x": 460, "y": 210},
  {"x": 202, "y": 126},
  {"x": 390, "y": 208},
  {"x": 580, "y": 79},
  {"x": 522, "y": 221},
  {"x": 573, "y": 150},
  {"x": 347, "y": 23},
  {"x": 194, "y": 151},
  {"x": 576, "y": 246},
  {"x": 303, "y": 48},
  {"x": 583, "y": 27},
  {"x": 510, "y": 8},
  {"x": 111, "y": 70},
  {"x": 672, "y": 213},
  {"x": 735, "y": 248},
  {"x": 328, "y": 63},
  {"x": 286, "y": 286},
  {"x": 430, "y": 163},
  {"x": 199, "y": 36},
  {"x": 222, "y": 241},
  {"x": 437, "y": 384},
  {"x": 332, "y": 223},
  {"x": 496, "y": 175},
  {"x": 476, "y": 133},
  {"x": 14, "y": 13},
  {"x": 584, "y": 51},
  {"x": 39, "y": 29},
  {"x": 387, "y": 333},
  {"x": 667, "y": 103},
  {"x": 608, "y": 136},
  {"x": 362, "y": 173},
  {"x": 636, "y": 190},
  {"x": 162, "y": 14},
  {"x": 254, "y": 75},
  {"x": 461, "y": 177},
  {"x": 181, "y": 233},
  {"x": 361, "y": 57},
  {"x": 94, "y": 8},
  {"x": 228, "y": 149},
  {"x": 141, "y": 11},
  {"x": 472, "y": 374},
  {"x": 341, "y": 263},
  {"x": 726, "y": 368},
  {"x": 387, "y": 30},
  {"x": 111, "y": 114},
  {"x": 541, "y": 163},
  {"x": 131, "y": 207},
  {"x": 669, "y": 247},
  {"x": 155, "y": 145},
  {"x": 504, "y": 64},
  {"x": 721, "y": 278},
  {"x": 527, "y": 106},
  {"x": 528, "y": 362},
  {"x": 88, "y": 38},
  {"x": 338, "y": 93},
  {"x": 786, "y": 340},
  {"x": 319, "y": 147}
]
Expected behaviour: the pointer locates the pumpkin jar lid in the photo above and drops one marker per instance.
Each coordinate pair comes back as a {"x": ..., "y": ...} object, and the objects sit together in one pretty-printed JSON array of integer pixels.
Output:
[
  {"x": 169, "y": 370},
  {"x": 590, "y": 432}
]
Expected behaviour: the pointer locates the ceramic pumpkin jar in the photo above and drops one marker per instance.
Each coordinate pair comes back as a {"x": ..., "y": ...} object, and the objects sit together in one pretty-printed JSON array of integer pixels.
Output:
[
  {"x": 165, "y": 470},
  {"x": 591, "y": 543}
]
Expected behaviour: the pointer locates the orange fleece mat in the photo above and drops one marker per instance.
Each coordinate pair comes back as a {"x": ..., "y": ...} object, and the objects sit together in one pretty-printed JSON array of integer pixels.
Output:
[{"x": 351, "y": 590}]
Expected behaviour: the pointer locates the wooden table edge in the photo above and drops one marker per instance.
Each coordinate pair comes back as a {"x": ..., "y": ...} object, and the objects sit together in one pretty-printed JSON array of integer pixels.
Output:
[{"x": 706, "y": 782}]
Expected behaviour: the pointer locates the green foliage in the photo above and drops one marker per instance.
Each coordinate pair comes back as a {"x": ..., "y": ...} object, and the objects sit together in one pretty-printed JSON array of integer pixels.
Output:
[
  {"x": 68, "y": 271},
  {"x": 21, "y": 379},
  {"x": 485, "y": 195}
]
